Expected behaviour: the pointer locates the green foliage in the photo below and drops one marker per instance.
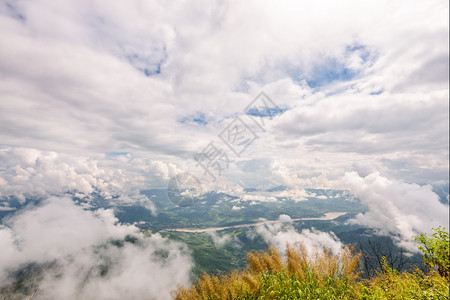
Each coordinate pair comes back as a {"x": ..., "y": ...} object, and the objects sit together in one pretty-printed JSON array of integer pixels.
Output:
[
  {"x": 211, "y": 259},
  {"x": 435, "y": 250},
  {"x": 318, "y": 276},
  {"x": 281, "y": 286},
  {"x": 390, "y": 284}
]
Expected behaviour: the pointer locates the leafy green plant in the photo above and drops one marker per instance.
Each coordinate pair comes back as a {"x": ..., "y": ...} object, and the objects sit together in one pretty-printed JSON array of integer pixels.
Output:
[
  {"x": 390, "y": 284},
  {"x": 435, "y": 250}
]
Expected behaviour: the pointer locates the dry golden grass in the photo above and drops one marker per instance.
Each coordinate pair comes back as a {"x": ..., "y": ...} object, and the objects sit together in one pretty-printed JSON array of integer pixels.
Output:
[
  {"x": 321, "y": 265},
  {"x": 229, "y": 286},
  {"x": 259, "y": 262}
]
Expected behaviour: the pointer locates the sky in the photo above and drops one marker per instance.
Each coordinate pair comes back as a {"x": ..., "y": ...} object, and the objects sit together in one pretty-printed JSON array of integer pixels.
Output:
[
  {"x": 145, "y": 86},
  {"x": 109, "y": 98}
]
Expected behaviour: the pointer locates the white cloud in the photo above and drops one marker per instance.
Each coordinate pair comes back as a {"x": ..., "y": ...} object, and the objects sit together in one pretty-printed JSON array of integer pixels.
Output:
[
  {"x": 286, "y": 193},
  {"x": 77, "y": 243},
  {"x": 285, "y": 218},
  {"x": 278, "y": 234},
  {"x": 87, "y": 78},
  {"x": 47, "y": 232},
  {"x": 28, "y": 172},
  {"x": 220, "y": 240},
  {"x": 258, "y": 198},
  {"x": 396, "y": 208},
  {"x": 364, "y": 168},
  {"x": 136, "y": 272},
  {"x": 5, "y": 207},
  {"x": 294, "y": 194}
]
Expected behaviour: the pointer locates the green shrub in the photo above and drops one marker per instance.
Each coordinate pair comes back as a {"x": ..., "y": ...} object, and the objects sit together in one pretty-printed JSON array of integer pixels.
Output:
[
  {"x": 390, "y": 284},
  {"x": 326, "y": 276},
  {"x": 435, "y": 250}
]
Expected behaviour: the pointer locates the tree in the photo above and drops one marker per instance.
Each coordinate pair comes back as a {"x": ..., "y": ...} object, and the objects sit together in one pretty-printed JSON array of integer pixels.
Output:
[
  {"x": 374, "y": 252},
  {"x": 435, "y": 250}
]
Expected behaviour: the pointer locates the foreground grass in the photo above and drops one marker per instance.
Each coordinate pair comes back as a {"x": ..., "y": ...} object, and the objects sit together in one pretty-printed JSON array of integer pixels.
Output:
[{"x": 321, "y": 275}]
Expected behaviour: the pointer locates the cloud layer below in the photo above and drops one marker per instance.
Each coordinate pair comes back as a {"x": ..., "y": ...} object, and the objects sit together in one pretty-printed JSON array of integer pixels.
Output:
[
  {"x": 396, "y": 208},
  {"x": 81, "y": 259}
]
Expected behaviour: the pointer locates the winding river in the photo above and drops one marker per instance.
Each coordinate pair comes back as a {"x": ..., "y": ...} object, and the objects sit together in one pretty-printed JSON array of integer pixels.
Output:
[{"x": 326, "y": 217}]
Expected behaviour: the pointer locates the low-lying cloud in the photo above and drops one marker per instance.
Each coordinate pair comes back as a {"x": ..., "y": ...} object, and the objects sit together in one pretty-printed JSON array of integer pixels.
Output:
[
  {"x": 278, "y": 234},
  {"x": 395, "y": 208},
  {"x": 31, "y": 173},
  {"x": 89, "y": 255},
  {"x": 220, "y": 240}
]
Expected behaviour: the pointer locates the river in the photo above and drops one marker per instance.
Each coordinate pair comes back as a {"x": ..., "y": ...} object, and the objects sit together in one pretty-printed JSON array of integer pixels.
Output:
[{"x": 326, "y": 217}]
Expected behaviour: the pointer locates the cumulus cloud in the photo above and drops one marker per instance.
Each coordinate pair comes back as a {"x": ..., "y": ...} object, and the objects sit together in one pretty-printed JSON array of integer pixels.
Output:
[
  {"x": 284, "y": 193},
  {"x": 258, "y": 198},
  {"x": 85, "y": 77},
  {"x": 28, "y": 172},
  {"x": 280, "y": 233},
  {"x": 396, "y": 208},
  {"x": 364, "y": 168},
  {"x": 284, "y": 218},
  {"x": 79, "y": 258}
]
